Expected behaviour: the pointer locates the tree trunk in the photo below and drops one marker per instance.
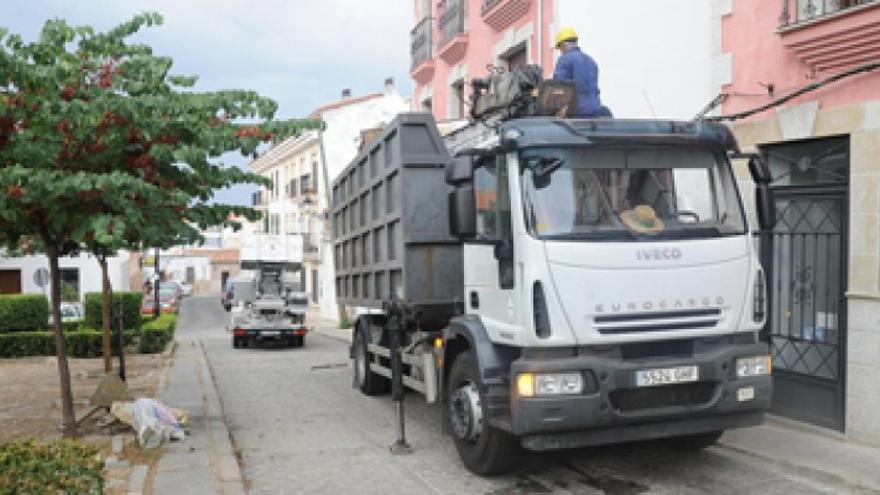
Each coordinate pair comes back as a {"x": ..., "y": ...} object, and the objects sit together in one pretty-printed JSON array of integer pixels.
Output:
[
  {"x": 68, "y": 414},
  {"x": 106, "y": 301}
]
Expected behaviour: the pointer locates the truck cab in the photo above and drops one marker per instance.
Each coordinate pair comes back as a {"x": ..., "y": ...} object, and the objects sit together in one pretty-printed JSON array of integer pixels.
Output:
[{"x": 610, "y": 268}]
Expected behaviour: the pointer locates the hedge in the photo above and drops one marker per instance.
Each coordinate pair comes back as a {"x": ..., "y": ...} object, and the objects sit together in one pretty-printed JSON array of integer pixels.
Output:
[
  {"x": 63, "y": 466},
  {"x": 80, "y": 344},
  {"x": 131, "y": 309},
  {"x": 23, "y": 313},
  {"x": 156, "y": 334}
]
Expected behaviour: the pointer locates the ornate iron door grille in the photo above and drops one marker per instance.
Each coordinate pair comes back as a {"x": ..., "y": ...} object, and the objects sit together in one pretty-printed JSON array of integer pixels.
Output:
[
  {"x": 806, "y": 263},
  {"x": 805, "y": 332}
]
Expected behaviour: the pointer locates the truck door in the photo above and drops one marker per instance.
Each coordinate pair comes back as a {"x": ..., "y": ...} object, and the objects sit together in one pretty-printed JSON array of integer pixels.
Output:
[{"x": 489, "y": 273}]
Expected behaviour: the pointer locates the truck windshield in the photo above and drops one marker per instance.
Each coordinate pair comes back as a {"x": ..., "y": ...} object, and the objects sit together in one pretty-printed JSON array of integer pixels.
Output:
[{"x": 612, "y": 194}]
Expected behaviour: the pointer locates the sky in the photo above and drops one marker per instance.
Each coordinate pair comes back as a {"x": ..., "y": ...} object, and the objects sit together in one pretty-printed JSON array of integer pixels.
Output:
[{"x": 301, "y": 53}]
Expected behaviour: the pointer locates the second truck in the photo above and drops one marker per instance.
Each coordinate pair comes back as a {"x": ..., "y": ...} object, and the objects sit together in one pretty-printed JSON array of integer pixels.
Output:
[{"x": 556, "y": 282}]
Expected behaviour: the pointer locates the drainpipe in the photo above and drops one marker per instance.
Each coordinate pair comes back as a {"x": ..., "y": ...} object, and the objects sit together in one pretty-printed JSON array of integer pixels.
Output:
[{"x": 541, "y": 34}]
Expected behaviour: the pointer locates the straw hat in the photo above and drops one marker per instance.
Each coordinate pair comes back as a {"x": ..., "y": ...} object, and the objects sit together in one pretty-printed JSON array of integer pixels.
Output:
[{"x": 643, "y": 219}]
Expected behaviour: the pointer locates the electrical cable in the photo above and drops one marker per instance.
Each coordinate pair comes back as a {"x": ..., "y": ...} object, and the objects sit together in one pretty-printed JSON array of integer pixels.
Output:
[{"x": 780, "y": 101}]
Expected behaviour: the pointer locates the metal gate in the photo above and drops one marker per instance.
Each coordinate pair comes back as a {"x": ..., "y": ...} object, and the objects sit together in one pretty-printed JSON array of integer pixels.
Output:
[{"x": 807, "y": 269}]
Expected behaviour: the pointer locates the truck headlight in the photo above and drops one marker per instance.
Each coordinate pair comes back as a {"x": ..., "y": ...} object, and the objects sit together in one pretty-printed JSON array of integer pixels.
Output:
[
  {"x": 544, "y": 384},
  {"x": 753, "y": 366}
]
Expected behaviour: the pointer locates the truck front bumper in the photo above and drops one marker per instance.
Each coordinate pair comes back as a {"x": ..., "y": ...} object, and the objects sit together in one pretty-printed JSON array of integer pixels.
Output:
[
  {"x": 613, "y": 408},
  {"x": 269, "y": 333}
]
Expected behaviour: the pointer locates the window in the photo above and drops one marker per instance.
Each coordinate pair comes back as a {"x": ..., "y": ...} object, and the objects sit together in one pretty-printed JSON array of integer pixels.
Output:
[
  {"x": 456, "y": 100},
  {"x": 426, "y": 105},
  {"x": 517, "y": 57},
  {"x": 305, "y": 183},
  {"x": 492, "y": 200},
  {"x": 70, "y": 284}
]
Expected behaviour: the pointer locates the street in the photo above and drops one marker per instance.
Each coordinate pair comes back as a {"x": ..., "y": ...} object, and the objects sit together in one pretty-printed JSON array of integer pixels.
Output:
[{"x": 300, "y": 428}]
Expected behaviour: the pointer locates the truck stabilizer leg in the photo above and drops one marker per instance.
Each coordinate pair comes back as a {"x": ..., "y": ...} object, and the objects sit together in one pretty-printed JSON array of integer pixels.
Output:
[{"x": 398, "y": 393}]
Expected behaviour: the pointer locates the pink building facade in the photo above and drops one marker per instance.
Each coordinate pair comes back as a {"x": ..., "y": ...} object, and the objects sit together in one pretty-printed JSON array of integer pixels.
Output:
[
  {"x": 454, "y": 41},
  {"x": 822, "y": 256}
]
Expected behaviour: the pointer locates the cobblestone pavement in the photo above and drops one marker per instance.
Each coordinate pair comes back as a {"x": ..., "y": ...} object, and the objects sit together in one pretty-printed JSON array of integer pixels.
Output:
[{"x": 300, "y": 427}]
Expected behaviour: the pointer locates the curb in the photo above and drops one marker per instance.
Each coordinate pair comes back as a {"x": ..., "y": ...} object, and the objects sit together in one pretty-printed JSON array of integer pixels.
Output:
[
  {"x": 824, "y": 475},
  {"x": 334, "y": 334},
  {"x": 227, "y": 470}
]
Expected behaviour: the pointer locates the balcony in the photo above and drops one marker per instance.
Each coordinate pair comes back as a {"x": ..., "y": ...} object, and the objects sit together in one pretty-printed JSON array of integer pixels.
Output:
[
  {"x": 831, "y": 35},
  {"x": 422, "y": 51},
  {"x": 306, "y": 185},
  {"x": 501, "y": 14},
  {"x": 311, "y": 250},
  {"x": 453, "y": 38}
]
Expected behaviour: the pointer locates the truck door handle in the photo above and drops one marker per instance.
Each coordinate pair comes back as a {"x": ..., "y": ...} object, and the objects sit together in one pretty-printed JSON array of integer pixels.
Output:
[{"x": 475, "y": 300}]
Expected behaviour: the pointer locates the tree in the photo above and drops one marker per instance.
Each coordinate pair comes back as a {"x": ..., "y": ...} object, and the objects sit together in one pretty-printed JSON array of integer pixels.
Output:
[{"x": 101, "y": 149}]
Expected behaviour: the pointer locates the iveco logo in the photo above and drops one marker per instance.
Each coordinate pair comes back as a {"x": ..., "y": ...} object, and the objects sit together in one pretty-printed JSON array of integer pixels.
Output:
[{"x": 658, "y": 254}]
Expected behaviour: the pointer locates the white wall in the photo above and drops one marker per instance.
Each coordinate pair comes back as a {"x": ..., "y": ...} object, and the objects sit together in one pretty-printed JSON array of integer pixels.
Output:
[
  {"x": 89, "y": 271},
  {"x": 175, "y": 267},
  {"x": 647, "y": 50},
  {"x": 340, "y": 141}
]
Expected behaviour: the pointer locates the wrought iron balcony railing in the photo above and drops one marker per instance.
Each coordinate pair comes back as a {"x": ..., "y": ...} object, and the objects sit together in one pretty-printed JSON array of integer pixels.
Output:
[
  {"x": 422, "y": 42},
  {"x": 488, "y": 4},
  {"x": 796, "y": 11},
  {"x": 451, "y": 20}
]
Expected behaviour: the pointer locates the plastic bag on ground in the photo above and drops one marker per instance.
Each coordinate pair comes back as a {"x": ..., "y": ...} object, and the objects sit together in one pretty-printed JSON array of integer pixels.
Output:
[{"x": 155, "y": 423}]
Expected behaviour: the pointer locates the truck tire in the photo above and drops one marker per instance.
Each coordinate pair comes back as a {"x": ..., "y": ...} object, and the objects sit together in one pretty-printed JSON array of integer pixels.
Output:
[
  {"x": 483, "y": 449},
  {"x": 367, "y": 381},
  {"x": 698, "y": 441}
]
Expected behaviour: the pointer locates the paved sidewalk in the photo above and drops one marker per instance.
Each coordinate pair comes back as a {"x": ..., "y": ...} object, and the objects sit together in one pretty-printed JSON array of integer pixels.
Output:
[
  {"x": 204, "y": 463},
  {"x": 810, "y": 449},
  {"x": 785, "y": 443}
]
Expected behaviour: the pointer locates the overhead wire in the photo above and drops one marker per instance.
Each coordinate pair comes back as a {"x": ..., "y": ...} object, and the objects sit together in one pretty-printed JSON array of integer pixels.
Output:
[{"x": 785, "y": 99}]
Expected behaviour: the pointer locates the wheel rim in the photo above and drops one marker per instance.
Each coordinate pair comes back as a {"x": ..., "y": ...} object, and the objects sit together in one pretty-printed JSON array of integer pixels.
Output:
[
  {"x": 466, "y": 412},
  {"x": 360, "y": 362}
]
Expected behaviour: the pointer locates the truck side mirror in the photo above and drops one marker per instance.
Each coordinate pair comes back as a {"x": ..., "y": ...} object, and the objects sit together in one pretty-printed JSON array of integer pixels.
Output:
[
  {"x": 462, "y": 212},
  {"x": 460, "y": 170},
  {"x": 759, "y": 170},
  {"x": 764, "y": 207}
]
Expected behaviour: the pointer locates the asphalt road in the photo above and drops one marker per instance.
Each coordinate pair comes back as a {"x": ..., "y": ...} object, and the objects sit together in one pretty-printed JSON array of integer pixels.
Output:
[{"x": 300, "y": 427}]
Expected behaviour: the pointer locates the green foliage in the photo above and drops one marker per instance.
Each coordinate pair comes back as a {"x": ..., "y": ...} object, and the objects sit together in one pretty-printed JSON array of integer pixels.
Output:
[
  {"x": 69, "y": 293},
  {"x": 86, "y": 343},
  {"x": 63, "y": 466},
  {"x": 156, "y": 334},
  {"x": 102, "y": 147},
  {"x": 131, "y": 309},
  {"x": 23, "y": 312},
  {"x": 71, "y": 326}
]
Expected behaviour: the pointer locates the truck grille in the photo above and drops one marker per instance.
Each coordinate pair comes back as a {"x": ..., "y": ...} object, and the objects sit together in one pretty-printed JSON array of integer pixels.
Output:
[
  {"x": 686, "y": 394},
  {"x": 657, "y": 321}
]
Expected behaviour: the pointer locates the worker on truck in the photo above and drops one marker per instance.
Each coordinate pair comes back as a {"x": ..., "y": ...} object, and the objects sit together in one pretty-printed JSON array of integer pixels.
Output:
[{"x": 575, "y": 65}]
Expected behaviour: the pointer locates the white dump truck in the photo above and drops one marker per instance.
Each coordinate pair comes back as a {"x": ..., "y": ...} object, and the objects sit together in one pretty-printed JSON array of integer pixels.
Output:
[
  {"x": 268, "y": 302},
  {"x": 555, "y": 282}
]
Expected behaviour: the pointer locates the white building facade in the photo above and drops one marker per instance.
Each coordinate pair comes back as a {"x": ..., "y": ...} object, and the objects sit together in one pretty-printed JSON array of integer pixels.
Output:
[
  {"x": 301, "y": 169},
  {"x": 79, "y": 275}
]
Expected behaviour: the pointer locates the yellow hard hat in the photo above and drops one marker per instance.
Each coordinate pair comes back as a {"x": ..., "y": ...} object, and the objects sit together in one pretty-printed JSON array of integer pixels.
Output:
[{"x": 566, "y": 34}]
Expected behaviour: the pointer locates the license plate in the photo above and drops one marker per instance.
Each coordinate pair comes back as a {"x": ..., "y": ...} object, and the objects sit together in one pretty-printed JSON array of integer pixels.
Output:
[
  {"x": 270, "y": 333},
  {"x": 666, "y": 376}
]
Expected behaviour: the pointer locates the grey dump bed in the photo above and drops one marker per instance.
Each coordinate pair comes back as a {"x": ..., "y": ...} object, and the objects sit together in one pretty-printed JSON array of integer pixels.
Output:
[{"x": 391, "y": 225}]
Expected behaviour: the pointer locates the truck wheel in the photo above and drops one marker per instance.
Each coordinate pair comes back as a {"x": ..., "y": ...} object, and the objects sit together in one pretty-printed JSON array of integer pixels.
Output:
[
  {"x": 698, "y": 441},
  {"x": 368, "y": 382},
  {"x": 483, "y": 449}
]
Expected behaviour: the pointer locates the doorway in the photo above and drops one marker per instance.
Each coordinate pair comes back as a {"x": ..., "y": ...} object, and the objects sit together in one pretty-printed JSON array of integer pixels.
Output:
[{"x": 806, "y": 263}]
